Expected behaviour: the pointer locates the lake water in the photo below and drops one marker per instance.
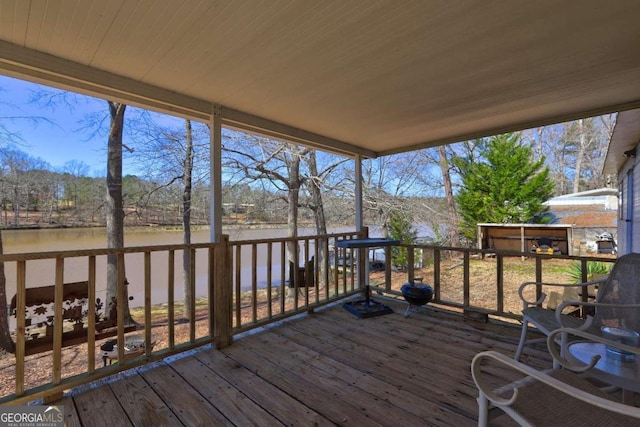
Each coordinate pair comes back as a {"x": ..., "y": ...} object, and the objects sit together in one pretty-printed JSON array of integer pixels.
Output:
[{"x": 42, "y": 273}]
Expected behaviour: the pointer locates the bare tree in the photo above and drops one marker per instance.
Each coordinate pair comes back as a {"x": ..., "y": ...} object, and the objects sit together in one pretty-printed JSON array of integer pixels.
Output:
[
  {"x": 257, "y": 158},
  {"x": 115, "y": 211},
  {"x": 452, "y": 232},
  {"x": 174, "y": 155},
  {"x": 187, "y": 182},
  {"x": 318, "y": 179}
]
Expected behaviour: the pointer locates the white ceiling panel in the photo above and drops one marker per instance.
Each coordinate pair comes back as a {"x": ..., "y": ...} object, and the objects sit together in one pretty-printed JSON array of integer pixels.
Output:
[{"x": 377, "y": 76}]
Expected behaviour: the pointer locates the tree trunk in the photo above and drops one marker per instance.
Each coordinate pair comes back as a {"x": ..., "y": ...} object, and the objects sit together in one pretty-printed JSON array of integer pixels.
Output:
[
  {"x": 186, "y": 218},
  {"x": 293, "y": 249},
  {"x": 6, "y": 343},
  {"x": 580, "y": 155},
  {"x": 454, "y": 236},
  {"x": 318, "y": 212},
  {"x": 115, "y": 210}
]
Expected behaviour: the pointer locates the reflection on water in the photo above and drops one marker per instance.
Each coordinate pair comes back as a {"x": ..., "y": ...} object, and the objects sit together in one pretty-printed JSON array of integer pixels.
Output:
[{"x": 42, "y": 272}]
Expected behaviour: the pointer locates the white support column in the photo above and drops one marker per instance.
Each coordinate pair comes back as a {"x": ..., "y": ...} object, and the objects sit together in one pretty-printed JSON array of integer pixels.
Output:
[
  {"x": 363, "y": 253},
  {"x": 358, "y": 192},
  {"x": 215, "y": 172}
]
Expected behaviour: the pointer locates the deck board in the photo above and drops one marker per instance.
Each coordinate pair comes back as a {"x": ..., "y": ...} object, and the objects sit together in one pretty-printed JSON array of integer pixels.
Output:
[
  {"x": 327, "y": 368},
  {"x": 225, "y": 397},
  {"x": 100, "y": 407},
  {"x": 281, "y": 405},
  {"x": 186, "y": 402},
  {"x": 141, "y": 403}
]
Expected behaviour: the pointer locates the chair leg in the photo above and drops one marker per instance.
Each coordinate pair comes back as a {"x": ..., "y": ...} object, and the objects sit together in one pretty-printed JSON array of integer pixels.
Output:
[
  {"x": 523, "y": 339},
  {"x": 564, "y": 339},
  {"x": 483, "y": 410}
]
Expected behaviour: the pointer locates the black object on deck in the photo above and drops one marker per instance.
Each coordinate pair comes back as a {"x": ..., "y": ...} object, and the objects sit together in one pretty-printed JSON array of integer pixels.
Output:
[{"x": 366, "y": 308}]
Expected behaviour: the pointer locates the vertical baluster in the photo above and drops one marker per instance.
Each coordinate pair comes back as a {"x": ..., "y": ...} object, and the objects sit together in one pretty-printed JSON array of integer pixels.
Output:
[
  {"x": 436, "y": 274},
  {"x": 192, "y": 294},
  {"x": 91, "y": 316},
  {"x": 21, "y": 299},
  {"x": 147, "y": 302},
  {"x": 306, "y": 273},
  {"x": 238, "y": 289},
  {"x": 269, "y": 278},
  {"x": 57, "y": 321},
  {"x": 211, "y": 279},
  {"x": 254, "y": 282},
  {"x": 283, "y": 269},
  {"x": 500, "y": 281},
  {"x": 171, "y": 280},
  {"x": 465, "y": 279},
  {"x": 121, "y": 306}
]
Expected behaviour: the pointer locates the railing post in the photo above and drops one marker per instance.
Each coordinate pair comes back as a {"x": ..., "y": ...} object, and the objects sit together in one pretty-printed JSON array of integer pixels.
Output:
[
  {"x": 436, "y": 274},
  {"x": 584, "y": 277},
  {"x": 538, "y": 277},
  {"x": 410, "y": 264},
  {"x": 465, "y": 279},
  {"x": 387, "y": 267},
  {"x": 222, "y": 294},
  {"x": 500, "y": 281}
]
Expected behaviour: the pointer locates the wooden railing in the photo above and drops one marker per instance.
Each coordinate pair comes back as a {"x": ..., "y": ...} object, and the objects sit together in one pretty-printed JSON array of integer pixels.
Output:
[
  {"x": 481, "y": 281},
  {"x": 308, "y": 280},
  {"x": 159, "y": 332},
  {"x": 234, "y": 287}
]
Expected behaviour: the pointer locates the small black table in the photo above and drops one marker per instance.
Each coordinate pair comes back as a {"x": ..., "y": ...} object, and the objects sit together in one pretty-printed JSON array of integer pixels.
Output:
[{"x": 367, "y": 307}]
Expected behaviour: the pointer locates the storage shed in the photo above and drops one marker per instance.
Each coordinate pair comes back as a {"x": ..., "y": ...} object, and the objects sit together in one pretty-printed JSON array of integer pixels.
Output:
[{"x": 522, "y": 237}]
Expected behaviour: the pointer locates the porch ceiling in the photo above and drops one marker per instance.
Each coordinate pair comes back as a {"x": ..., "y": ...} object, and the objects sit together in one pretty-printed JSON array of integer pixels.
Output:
[{"x": 374, "y": 77}]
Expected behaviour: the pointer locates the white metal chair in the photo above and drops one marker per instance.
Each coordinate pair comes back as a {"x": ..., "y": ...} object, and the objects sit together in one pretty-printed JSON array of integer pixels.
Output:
[
  {"x": 617, "y": 304},
  {"x": 554, "y": 397}
]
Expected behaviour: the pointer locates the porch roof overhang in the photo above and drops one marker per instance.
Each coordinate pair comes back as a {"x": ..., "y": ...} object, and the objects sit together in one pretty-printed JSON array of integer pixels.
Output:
[
  {"x": 625, "y": 137},
  {"x": 361, "y": 77}
]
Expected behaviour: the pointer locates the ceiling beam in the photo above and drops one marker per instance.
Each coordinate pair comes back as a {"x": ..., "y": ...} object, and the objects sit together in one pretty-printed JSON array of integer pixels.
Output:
[{"x": 250, "y": 123}]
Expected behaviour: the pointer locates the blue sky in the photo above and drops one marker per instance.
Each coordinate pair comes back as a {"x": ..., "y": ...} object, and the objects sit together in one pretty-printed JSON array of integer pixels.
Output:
[{"x": 58, "y": 137}]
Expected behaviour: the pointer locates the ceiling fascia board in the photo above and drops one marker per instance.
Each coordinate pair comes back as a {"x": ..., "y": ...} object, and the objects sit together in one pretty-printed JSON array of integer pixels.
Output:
[
  {"x": 250, "y": 123},
  {"x": 516, "y": 127},
  {"x": 38, "y": 67},
  {"x": 626, "y": 136}
]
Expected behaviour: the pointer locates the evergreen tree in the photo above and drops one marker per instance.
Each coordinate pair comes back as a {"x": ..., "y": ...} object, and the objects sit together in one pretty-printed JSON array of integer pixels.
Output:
[
  {"x": 400, "y": 229},
  {"x": 502, "y": 185}
]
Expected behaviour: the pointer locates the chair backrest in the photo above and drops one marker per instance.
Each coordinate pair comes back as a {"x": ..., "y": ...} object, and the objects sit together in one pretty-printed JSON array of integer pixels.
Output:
[
  {"x": 621, "y": 287},
  {"x": 302, "y": 276}
]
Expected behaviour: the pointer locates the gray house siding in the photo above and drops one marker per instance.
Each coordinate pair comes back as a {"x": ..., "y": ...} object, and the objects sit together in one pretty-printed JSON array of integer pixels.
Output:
[{"x": 629, "y": 211}]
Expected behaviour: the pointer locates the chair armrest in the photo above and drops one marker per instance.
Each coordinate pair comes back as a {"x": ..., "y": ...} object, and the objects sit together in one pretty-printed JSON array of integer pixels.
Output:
[
  {"x": 525, "y": 285},
  {"x": 555, "y": 353},
  {"x": 587, "y": 325},
  {"x": 543, "y": 377}
]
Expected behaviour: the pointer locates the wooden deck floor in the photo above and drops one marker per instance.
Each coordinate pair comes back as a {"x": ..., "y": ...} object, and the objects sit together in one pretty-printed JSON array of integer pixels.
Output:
[{"x": 329, "y": 368}]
